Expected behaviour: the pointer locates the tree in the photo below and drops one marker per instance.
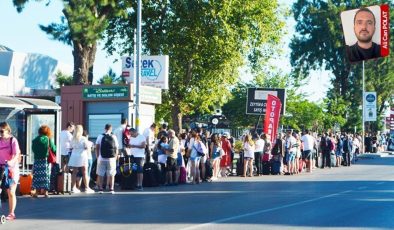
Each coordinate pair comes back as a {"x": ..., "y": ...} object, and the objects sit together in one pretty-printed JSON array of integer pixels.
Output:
[
  {"x": 319, "y": 44},
  {"x": 81, "y": 27},
  {"x": 207, "y": 42},
  {"x": 110, "y": 78}
]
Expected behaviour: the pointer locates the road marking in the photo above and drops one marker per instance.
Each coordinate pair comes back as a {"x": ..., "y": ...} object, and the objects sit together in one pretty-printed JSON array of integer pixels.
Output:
[
  {"x": 224, "y": 220},
  {"x": 380, "y": 183},
  {"x": 362, "y": 187}
]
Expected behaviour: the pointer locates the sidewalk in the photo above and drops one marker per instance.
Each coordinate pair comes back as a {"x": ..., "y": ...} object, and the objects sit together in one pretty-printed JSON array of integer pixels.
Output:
[{"x": 375, "y": 155}]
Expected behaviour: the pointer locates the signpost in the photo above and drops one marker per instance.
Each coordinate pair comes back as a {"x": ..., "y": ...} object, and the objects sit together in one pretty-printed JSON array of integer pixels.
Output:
[
  {"x": 256, "y": 103},
  {"x": 370, "y": 106}
]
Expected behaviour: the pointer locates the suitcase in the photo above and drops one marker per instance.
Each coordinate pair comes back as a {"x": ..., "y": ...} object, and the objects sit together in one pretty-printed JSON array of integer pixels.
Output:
[
  {"x": 64, "y": 183},
  {"x": 266, "y": 167},
  {"x": 55, "y": 169},
  {"x": 25, "y": 180},
  {"x": 208, "y": 169},
  {"x": 240, "y": 165},
  {"x": 333, "y": 159},
  {"x": 275, "y": 170},
  {"x": 151, "y": 175},
  {"x": 182, "y": 175},
  {"x": 128, "y": 177}
]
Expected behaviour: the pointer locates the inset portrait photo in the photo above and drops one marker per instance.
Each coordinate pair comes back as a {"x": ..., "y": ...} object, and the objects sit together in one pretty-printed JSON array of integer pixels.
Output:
[{"x": 366, "y": 32}]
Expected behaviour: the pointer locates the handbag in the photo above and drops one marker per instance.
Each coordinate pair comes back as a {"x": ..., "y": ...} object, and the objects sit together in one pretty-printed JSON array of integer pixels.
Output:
[{"x": 51, "y": 155}]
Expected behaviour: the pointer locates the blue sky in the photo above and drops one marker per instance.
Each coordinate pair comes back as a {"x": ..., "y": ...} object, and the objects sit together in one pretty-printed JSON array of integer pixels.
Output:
[{"x": 21, "y": 33}]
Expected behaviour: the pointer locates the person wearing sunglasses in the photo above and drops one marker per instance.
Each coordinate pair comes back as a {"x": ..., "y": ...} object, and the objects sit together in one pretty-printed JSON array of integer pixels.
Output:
[{"x": 9, "y": 156}]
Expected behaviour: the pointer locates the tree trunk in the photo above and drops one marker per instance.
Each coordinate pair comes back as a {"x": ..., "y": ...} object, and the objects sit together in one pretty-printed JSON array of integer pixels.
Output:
[
  {"x": 84, "y": 56},
  {"x": 176, "y": 116}
]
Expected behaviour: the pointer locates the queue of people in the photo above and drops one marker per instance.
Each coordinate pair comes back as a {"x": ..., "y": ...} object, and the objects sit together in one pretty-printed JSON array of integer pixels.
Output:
[{"x": 190, "y": 157}]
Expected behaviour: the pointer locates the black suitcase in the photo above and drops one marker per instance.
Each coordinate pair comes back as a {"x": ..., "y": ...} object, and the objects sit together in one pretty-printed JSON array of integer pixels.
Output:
[
  {"x": 266, "y": 167},
  {"x": 208, "y": 169},
  {"x": 275, "y": 169},
  {"x": 151, "y": 175},
  {"x": 240, "y": 164},
  {"x": 55, "y": 170},
  {"x": 127, "y": 177}
]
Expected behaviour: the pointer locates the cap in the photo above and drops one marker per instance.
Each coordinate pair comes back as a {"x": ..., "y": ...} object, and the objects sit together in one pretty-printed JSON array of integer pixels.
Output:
[{"x": 226, "y": 134}]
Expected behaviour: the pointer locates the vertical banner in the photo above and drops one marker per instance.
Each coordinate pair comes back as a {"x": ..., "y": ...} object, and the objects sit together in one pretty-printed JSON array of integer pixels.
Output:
[
  {"x": 370, "y": 106},
  {"x": 384, "y": 30},
  {"x": 272, "y": 116}
]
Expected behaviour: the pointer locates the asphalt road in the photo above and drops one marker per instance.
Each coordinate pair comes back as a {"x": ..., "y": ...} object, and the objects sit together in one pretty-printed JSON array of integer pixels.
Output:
[{"x": 357, "y": 197}]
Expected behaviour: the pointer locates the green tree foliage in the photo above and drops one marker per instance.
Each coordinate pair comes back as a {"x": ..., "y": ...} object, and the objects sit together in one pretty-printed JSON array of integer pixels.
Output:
[
  {"x": 82, "y": 27},
  {"x": 110, "y": 78},
  {"x": 319, "y": 44},
  {"x": 63, "y": 79},
  {"x": 207, "y": 41}
]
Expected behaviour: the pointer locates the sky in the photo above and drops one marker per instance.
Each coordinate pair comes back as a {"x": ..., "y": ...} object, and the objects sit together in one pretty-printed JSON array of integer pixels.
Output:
[{"x": 21, "y": 33}]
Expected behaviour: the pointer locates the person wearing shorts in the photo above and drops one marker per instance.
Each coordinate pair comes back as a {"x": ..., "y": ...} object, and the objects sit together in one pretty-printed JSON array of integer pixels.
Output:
[
  {"x": 137, "y": 146},
  {"x": 308, "y": 144},
  {"x": 172, "y": 154},
  {"x": 65, "y": 138},
  {"x": 9, "y": 158},
  {"x": 291, "y": 152},
  {"x": 106, "y": 166}
]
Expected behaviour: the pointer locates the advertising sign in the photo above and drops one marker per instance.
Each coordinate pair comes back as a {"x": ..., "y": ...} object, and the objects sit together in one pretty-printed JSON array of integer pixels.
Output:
[
  {"x": 370, "y": 106},
  {"x": 256, "y": 102},
  {"x": 154, "y": 70},
  {"x": 367, "y": 32},
  {"x": 272, "y": 116}
]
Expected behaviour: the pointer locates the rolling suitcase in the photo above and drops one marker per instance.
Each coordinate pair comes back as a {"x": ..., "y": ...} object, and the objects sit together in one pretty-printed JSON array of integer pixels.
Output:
[
  {"x": 64, "y": 183},
  {"x": 266, "y": 167},
  {"x": 151, "y": 175},
  {"x": 182, "y": 175},
  {"x": 275, "y": 170},
  {"x": 240, "y": 164},
  {"x": 26, "y": 179},
  {"x": 128, "y": 177},
  {"x": 55, "y": 169}
]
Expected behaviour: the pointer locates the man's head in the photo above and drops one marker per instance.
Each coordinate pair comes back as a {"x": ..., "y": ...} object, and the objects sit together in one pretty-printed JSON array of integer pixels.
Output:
[
  {"x": 70, "y": 126},
  {"x": 364, "y": 25},
  {"x": 108, "y": 128},
  {"x": 171, "y": 133},
  {"x": 123, "y": 121},
  {"x": 133, "y": 132},
  {"x": 153, "y": 127}
]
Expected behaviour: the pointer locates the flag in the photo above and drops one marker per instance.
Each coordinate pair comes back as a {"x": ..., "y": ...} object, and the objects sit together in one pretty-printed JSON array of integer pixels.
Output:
[{"x": 272, "y": 115}]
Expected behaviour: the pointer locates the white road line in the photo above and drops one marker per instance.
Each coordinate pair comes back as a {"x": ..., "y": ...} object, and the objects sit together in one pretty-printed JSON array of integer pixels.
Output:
[
  {"x": 380, "y": 183},
  {"x": 362, "y": 187},
  {"x": 224, "y": 220}
]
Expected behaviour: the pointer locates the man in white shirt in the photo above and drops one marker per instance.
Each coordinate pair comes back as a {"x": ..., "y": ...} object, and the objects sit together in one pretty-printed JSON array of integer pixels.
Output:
[
  {"x": 290, "y": 152},
  {"x": 308, "y": 143},
  {"x": 106, "y": 152},
  {"x": 149, "y": 134},
  {"x": 137, "y": 145},
  {"x": 122, "y": 149},
  {"x": 65, "y": 138}
]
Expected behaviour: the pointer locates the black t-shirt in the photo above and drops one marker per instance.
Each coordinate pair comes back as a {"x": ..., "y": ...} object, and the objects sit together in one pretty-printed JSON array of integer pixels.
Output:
[{"x": 355, "y": 53}]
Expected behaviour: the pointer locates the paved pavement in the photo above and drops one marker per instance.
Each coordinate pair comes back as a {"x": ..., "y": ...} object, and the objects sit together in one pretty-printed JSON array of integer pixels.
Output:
[{"x": 357, "y": 197}]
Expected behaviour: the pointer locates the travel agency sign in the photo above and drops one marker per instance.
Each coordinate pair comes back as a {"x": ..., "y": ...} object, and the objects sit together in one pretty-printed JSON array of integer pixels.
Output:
[{"x": 154, "y": 70}]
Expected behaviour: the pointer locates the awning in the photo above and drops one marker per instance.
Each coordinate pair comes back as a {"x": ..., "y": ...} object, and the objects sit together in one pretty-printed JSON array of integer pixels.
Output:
[
  {"x": 27, "y": 103},
  {"x": 13, "y": 103},
  {"x": 41, "y": 103}
]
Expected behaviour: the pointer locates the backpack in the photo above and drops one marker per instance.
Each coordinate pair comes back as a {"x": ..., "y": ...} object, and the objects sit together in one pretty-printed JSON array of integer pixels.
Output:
[
  {"x": 126, "y": 137},
  {"x": 107, "y": 146},
  {"x": 331, "y": 145}
]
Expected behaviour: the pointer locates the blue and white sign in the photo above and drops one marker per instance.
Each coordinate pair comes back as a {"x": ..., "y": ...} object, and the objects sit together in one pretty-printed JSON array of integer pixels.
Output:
[
  {"x": 154, "y": 70},
  {"x": 370, "y": 106}
]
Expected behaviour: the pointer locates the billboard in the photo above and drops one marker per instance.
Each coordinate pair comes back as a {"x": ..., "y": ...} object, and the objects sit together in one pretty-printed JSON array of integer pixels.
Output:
[
  {"x": 256, "y": 102},
  {"x": 154, "y": 70},
  {"x": 366, "y": 31}
]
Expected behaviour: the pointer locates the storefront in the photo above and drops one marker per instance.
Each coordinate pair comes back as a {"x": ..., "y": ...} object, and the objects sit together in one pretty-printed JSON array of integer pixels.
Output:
[
  {"x": 25, "y": 116},
  {"x": 93, "y": 106}
]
